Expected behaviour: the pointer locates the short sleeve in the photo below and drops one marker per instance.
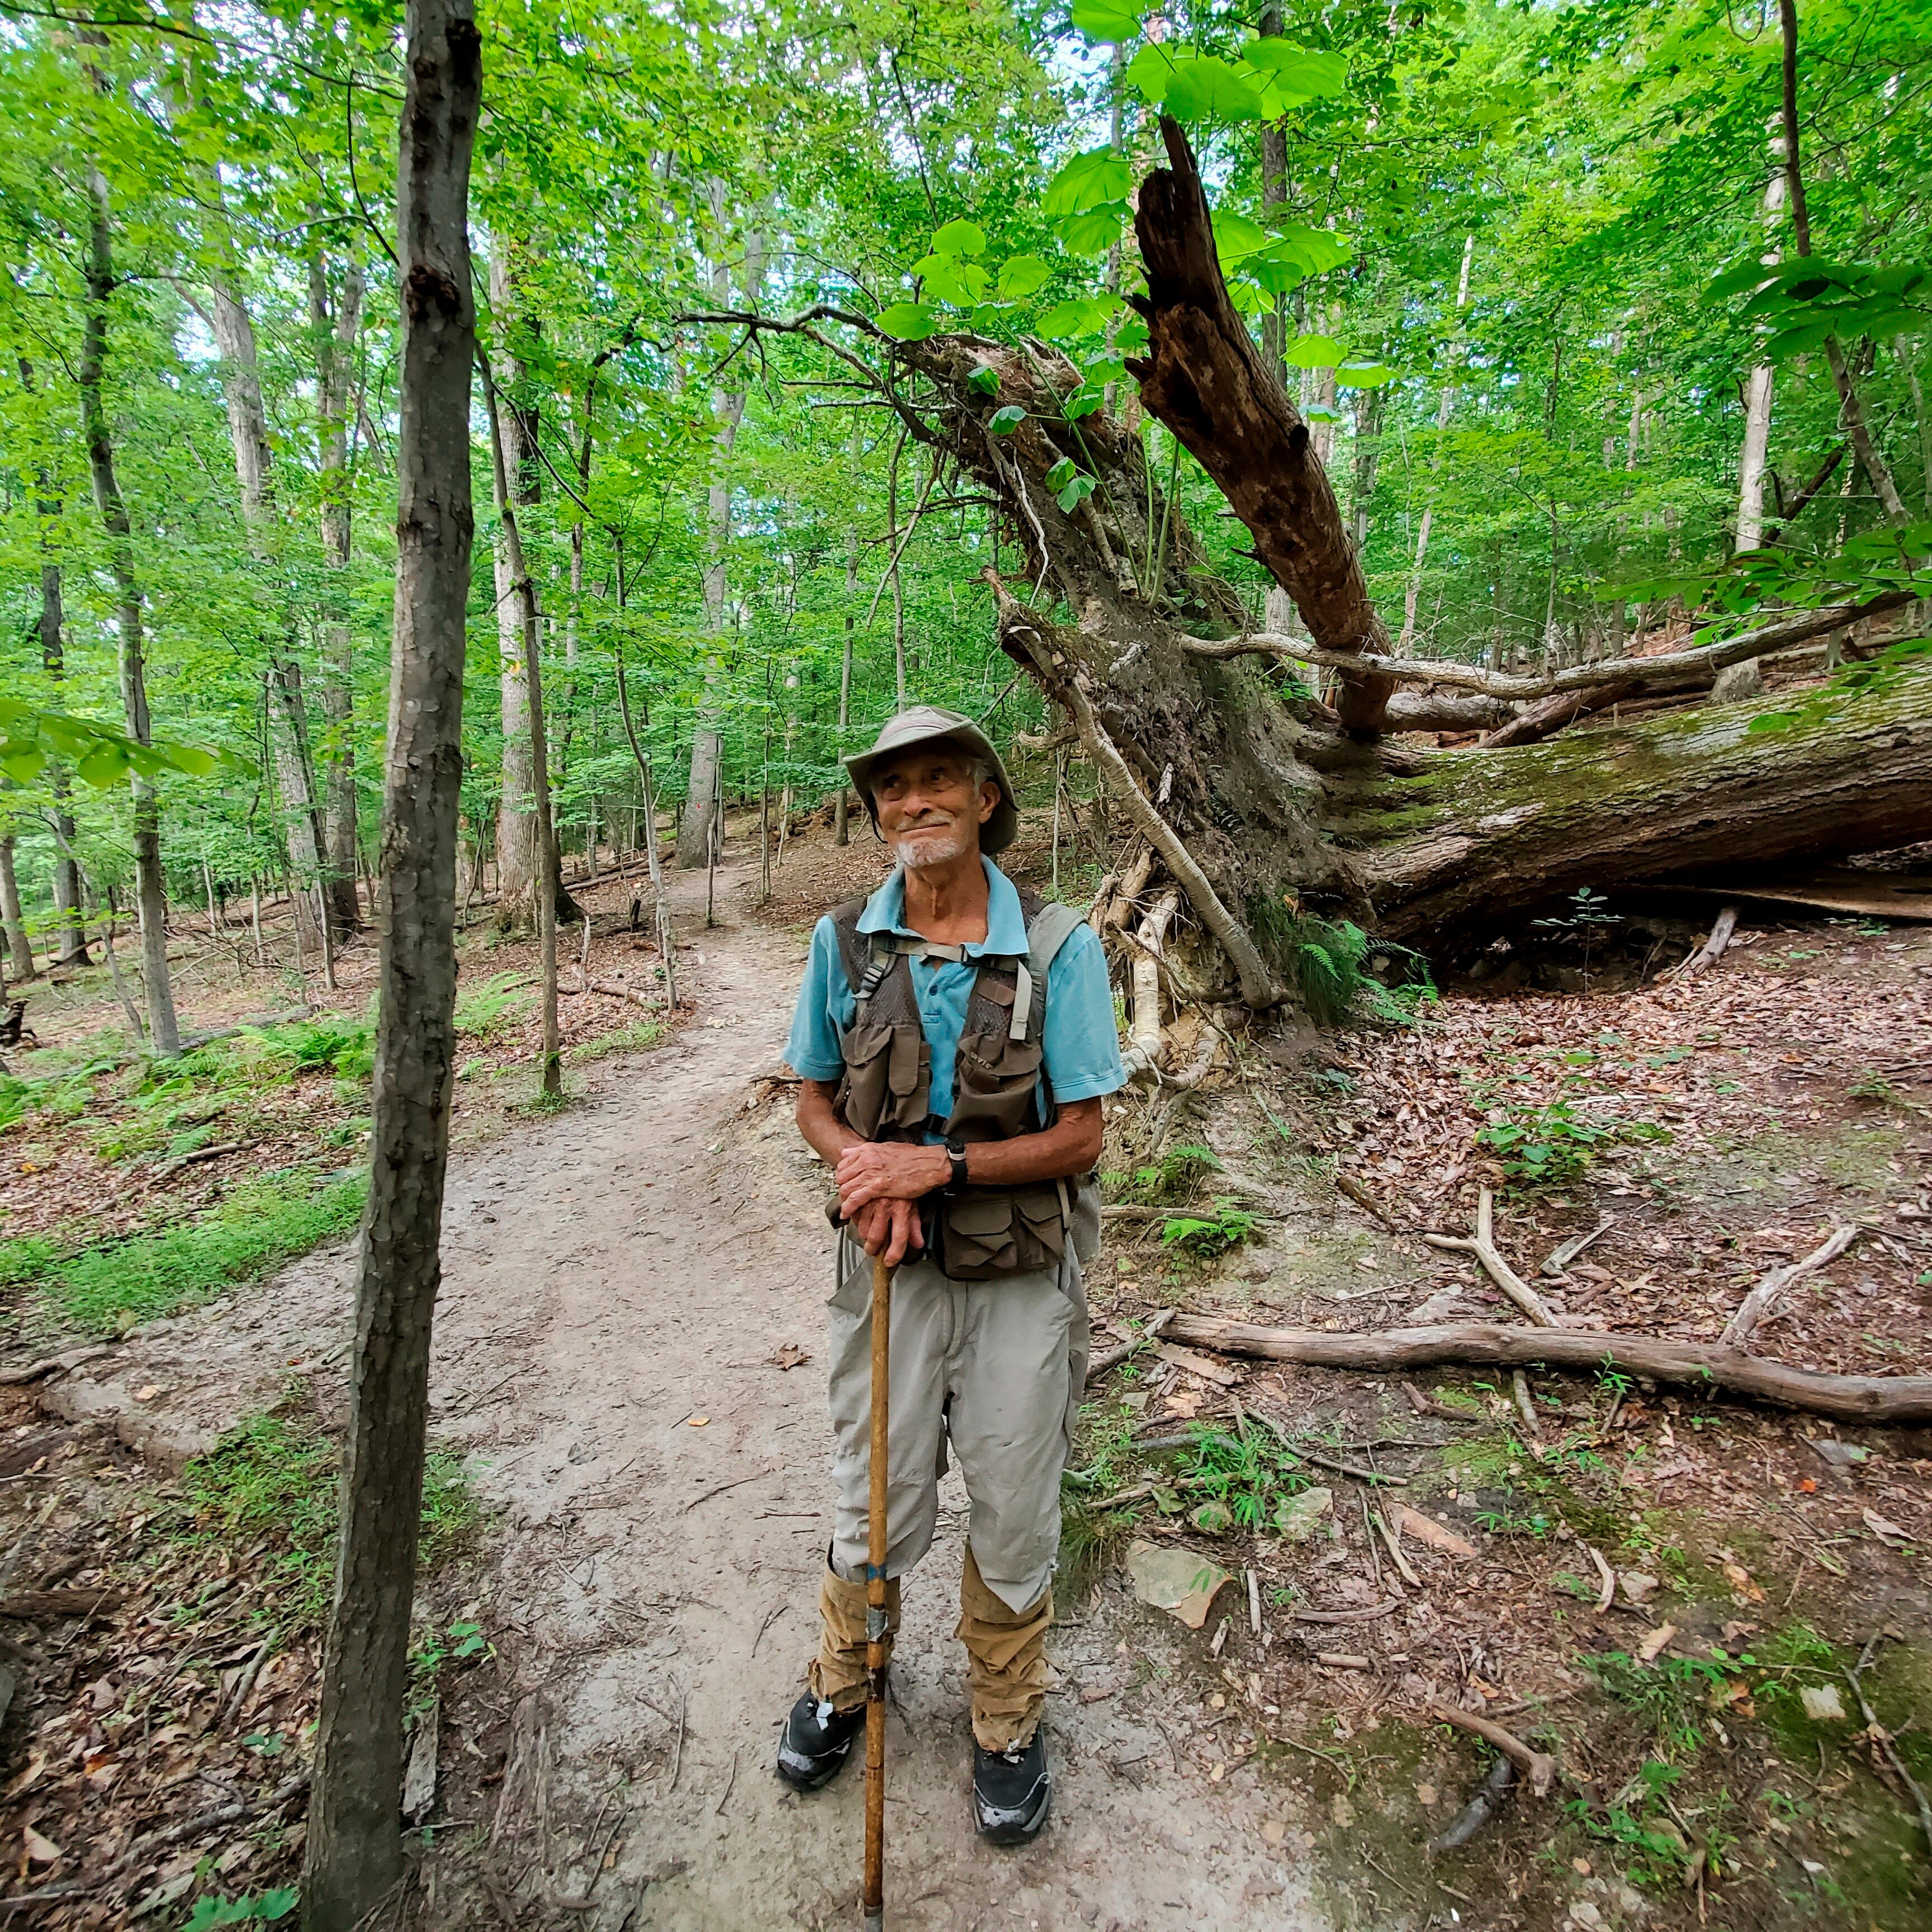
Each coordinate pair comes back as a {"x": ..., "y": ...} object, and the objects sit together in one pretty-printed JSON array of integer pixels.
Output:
[
  {"x": 1081, "y": 1042},
  {"x": 824, "y": 1001}
]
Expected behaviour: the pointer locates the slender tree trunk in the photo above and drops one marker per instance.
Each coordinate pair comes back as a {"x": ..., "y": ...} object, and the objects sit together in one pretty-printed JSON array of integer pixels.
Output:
[
  {"x": 69, "y": 917},
  {"x": 841, "y": 827},
  {"x": 1752, "y": 454},
  {"x": 353, "y": 1857},
  {"x": 336, "y": 335},
  {"x": 523, "y": 589},
  {"x": 151, "y": 881},
  {"x": 1851, "y": 409},
  {"x": 12, "y": 918},
  {"x": 1444, "y": 408},
  {"x": 1274, "y": 203},
  {"x": 695, "y": 836}
]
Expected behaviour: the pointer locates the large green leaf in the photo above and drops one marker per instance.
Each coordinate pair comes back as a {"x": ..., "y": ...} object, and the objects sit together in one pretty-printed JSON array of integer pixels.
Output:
[
  {"x": 1021, "y": 276},
  {"x": 1106, "y": 20},
  {"x": 1089, "y": 180},
  {"x": 1313, "y": 351},
  {"x": 1362, "y": 375},
  {"x": 1084, "y": 315},
  {"x": 1308, "y": 72},
  {"x": 1004, "y": 421},
  {"x": 1094, "y": 231},
  {"x": 1235, "y": 236},
  {"x": 959, "y": 237},
  {"x": 1206, "y": 89},
  {"x": 909, "y": 321},
  {"x": 962, "y": 283}
]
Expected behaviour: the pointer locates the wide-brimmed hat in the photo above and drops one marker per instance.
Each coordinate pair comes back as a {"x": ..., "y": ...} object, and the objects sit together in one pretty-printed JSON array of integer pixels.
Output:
[{"x": 921, "y": 724}]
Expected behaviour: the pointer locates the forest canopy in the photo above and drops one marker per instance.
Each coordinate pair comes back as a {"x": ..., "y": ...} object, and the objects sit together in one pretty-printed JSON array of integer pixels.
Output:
[{"x": 1580, "y": 368}]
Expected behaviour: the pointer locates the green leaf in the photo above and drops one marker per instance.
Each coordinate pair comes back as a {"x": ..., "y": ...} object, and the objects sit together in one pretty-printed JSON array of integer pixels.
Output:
[
  {"x": 1089, "y": 180},
  {"x": 949, "y": 279},
  {"x": 1313, "y": 351},
  {"x": 1084, "y": 315},
  {"x": 1305, "y": 71},
  {"x": 1094, "y": 231},
  {"x": 1078, "y": 490},
  {"x": 1236, "y": 236},
  {"x": 104, "y": 765},
  {"x": 1106, "y": 20},
  {"x": 1362, "y": 376},
  {"x": 959, "y": 237},
  {"x": 908, "y": 322},
  {"x": 1003, "y": 422},
  {"x": 982, "y": 381},
  {"x": 1061, "y": 475},
  {"x": 1021, "y": 276},
  {"x": 1249, "y": 298},
  {"x": 1206, "y": 89},
  {"x": 1150, "y": 73},
  {"x": 191, "y": 759},
  {"x": 278, "y": 1903},
  {"x": 1083, "y": 402}
]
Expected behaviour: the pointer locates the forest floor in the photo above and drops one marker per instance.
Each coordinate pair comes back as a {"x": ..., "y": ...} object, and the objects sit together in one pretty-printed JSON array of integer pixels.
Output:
[{"x": 628, "y": 1504}]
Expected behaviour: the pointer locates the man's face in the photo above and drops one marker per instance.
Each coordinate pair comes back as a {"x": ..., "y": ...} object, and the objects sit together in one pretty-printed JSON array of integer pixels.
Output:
[{"x": 928, "y": 812}]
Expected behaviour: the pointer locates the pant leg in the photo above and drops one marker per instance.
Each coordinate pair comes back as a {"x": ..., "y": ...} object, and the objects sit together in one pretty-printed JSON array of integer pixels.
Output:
[
  {"x": 1014, "y": 1395},
  {"x": 1006, "y": 1651},
  {"x": 923, "y": 1315},
  {"x": 838, "y": 1671}
]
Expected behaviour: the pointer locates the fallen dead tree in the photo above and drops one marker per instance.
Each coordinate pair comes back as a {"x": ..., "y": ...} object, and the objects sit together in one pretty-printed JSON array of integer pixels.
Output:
[{"x": 1709, "y": 1367}]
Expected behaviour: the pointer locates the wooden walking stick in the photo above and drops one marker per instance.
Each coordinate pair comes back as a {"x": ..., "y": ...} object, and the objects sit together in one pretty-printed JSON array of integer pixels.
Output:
[{"x": 875, "y": 1607}]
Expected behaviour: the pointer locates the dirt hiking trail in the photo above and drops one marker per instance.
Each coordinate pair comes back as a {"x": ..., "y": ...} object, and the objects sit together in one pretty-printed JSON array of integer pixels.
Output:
[{"x": 618, "y": 1284}]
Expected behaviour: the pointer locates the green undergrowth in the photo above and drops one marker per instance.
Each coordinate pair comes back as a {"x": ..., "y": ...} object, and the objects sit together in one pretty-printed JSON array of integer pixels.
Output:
[
  {"x": 1344, "y": 977},
  {"x": 271, "y": 1486},
  {"x": 108, "y": 1287}
]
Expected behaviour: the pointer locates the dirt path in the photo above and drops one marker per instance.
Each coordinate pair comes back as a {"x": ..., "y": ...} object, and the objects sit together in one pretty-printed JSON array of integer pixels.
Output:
[{"x": 616, "y": 1282}]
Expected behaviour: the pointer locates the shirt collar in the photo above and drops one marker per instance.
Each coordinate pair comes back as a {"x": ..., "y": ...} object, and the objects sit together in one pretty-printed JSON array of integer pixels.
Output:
[{"x": 1006, "y": 924}]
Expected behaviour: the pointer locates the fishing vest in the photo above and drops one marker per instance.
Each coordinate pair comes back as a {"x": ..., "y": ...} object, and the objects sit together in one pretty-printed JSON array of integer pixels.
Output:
[{"x": 999, "y": 1088}]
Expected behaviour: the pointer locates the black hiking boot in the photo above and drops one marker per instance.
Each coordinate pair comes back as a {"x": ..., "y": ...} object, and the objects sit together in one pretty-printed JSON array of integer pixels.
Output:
[
  {"x": 818, "y": 1740},
  {"x": 1011, "y": 1790}
]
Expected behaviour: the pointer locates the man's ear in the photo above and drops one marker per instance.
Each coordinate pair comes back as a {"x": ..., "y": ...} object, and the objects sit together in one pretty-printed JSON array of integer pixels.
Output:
[{"x": 989, "y": 799}]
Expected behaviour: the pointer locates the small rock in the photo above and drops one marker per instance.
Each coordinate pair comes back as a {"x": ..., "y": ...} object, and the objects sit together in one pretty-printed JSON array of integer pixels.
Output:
[
  {"x": 1638, "y": 1588},
  {"x": 1180, "y": 1581},
  {"x": 1273, "y": 1832},
  {"x": 1822, "y": 1704},
  {"x": 1342, "y": 1811},
  {"x": 1297, "y": 1518}
]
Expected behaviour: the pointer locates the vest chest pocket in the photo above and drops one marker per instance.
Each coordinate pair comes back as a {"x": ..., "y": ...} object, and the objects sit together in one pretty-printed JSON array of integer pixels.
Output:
[
  {"x": 994, "y": 1080},
  {"x": 888, "y": 1078}
]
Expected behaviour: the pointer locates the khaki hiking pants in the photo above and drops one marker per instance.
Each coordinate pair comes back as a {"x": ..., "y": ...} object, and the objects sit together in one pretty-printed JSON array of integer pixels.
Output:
[{"x": 996, "y": 1368}]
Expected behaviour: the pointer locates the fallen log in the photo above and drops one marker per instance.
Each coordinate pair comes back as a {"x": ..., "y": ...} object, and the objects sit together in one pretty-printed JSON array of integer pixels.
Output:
[{"x": 1705, "y": 1366}]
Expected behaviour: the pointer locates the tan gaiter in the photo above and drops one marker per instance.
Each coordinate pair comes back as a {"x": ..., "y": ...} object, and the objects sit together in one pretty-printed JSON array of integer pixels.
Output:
[
  {"x": 838, "y": 1671},
  {"x": 1006, "y": 1653}
]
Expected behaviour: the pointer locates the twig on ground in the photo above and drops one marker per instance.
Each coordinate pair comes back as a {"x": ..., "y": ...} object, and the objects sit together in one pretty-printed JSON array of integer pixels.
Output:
[
  {"x": 1525, "y": 1406},
  {"x": 1880, "y": 1736},
  {"x": 1113, "y": 1357},
  {"x": 1762, "y": 1300},
  {"x": 1483, "y": 1245},
  {"x": 1537, "y": 1766}
]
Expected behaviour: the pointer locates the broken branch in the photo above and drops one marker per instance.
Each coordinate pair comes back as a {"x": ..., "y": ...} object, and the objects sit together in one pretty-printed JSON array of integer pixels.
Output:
[
  {"x": 1765, "y": 1297},
  {"x": 1483, "y": 1245},
  {"x": 1537, "y": 1766}
]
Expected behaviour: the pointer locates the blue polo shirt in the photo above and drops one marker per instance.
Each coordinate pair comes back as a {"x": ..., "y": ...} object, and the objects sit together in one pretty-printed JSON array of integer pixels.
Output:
[{"x": 1082, "y": 1048}]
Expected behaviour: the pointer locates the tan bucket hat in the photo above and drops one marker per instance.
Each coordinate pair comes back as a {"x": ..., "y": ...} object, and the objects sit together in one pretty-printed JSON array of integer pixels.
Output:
[{"x": 918, "y": 726}]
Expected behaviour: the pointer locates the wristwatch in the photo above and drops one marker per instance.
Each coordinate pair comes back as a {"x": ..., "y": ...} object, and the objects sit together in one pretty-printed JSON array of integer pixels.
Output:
[{"x": 956, "y": 1153}]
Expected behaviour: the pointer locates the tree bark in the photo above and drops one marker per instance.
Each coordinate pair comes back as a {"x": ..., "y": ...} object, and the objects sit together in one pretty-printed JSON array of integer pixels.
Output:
[
  {"x": 337, "y": 331},
  {"x": 1694, "y": 1365},
  {"x": 523, "y": 589},
  {"x": 353, "y": 1858},
  {"x": 696, "y": 828},
  {"x": 1204, "y": 378},
  {"x": 90, "y": 379},
  {"x": 70, "y": 924},
  {"x": 14, "y": 918}
]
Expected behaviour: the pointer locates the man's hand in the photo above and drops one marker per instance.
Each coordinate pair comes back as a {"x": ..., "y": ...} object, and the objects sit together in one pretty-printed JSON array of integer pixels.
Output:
[
  {"x": 888, "y": 1227},
  {"x": 873, "y": 1171}
]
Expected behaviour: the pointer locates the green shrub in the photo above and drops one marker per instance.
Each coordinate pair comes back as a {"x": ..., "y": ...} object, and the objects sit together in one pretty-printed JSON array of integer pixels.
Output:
[{"x": 1343, "y": 976}]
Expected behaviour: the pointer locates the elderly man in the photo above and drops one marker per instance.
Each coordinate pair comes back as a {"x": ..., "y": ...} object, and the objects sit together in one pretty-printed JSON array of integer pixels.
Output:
[{"x": 955, "y": 1036}]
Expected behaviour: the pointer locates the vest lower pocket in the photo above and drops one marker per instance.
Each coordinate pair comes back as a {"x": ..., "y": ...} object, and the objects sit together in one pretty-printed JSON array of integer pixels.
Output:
[{"x": 1009, "y": 1232}]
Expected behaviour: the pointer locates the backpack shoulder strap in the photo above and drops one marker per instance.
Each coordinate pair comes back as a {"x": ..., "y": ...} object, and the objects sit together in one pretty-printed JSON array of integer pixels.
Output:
[
  {"x": 1048, "y": 928},
  {"x": 867, "y": 957}
]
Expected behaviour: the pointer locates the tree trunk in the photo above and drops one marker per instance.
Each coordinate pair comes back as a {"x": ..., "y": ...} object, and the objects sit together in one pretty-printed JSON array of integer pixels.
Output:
[
  {"x": 695, "y": 830},
  {"x": 151, "y": 881},
  {"x": 353, "y": 1858},
  {"x": 70, "y": 919},
  {"x": 336, "y": 335},
  {"x": 14, "y": 918}
]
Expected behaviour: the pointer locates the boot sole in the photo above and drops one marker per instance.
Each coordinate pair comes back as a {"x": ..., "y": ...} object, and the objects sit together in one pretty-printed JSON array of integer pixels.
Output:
[
  {"x": 815, "y": 1779},
  {"x": 1019, "y": 1831}
]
